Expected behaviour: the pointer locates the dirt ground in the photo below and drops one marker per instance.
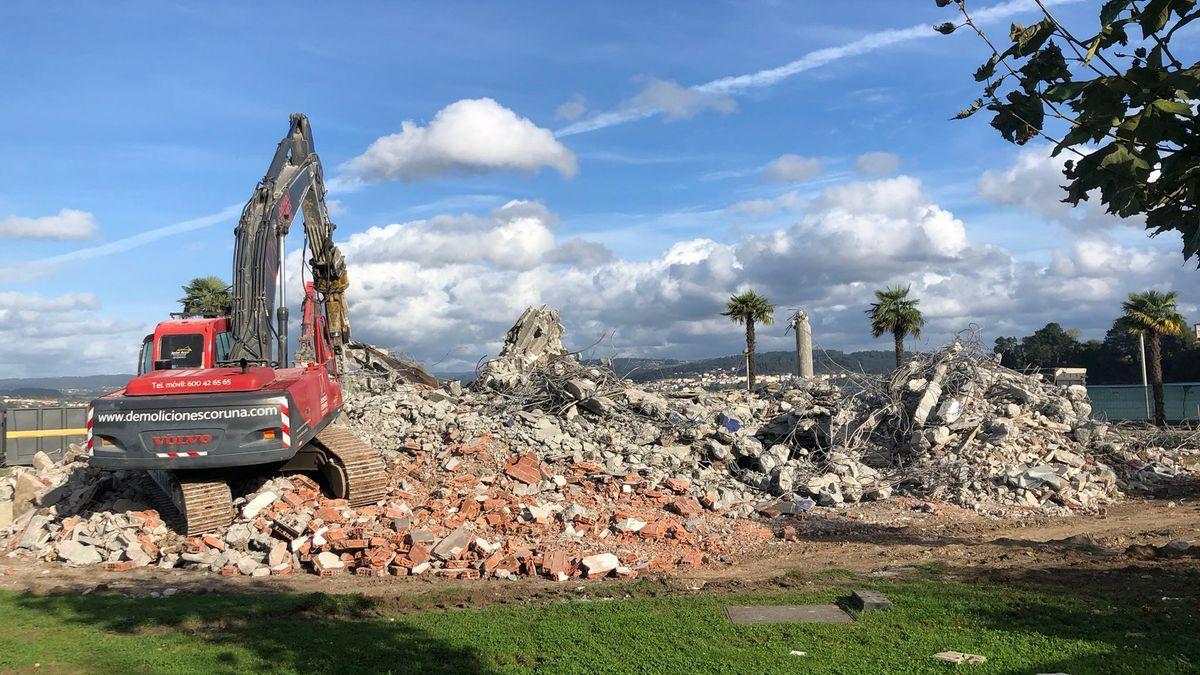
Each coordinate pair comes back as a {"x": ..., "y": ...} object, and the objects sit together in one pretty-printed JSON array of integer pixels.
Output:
[{"x": 868, "y": 538}]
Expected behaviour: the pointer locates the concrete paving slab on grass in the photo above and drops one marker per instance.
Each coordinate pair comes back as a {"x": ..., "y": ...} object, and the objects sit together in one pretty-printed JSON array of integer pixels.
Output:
[{"x": 754, "y": 614}]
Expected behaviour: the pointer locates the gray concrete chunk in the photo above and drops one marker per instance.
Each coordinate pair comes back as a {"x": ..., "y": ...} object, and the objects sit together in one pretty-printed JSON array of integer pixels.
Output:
[
  {"x": 869, "y": 601},
  {"x": 756, "y": 614},
  {"x": 451, "y": 546}
]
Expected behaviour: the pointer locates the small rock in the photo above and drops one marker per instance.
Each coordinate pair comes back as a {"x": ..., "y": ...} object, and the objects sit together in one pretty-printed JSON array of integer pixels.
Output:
[
  {"x": 258, "y": 503},
  {"x": 600, "y": 565},
  {"x": 75, "y": 553}
]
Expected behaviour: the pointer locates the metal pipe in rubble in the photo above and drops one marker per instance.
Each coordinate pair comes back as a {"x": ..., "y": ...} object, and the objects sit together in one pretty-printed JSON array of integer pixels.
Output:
[
  {"x": 281, "y": 311},
  {"x": 1145, "y": 387}
]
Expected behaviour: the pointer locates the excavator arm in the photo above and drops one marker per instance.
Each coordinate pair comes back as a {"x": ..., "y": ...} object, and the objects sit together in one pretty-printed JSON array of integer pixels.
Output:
[{"x": 259, "y": 316}]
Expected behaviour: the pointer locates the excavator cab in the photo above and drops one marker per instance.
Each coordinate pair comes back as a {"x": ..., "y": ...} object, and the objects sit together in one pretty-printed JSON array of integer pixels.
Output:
[{"x": 186, "y": 343}]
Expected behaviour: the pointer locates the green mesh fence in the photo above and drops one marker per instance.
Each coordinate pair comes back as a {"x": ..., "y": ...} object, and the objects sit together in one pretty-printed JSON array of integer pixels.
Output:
[{"x": 1135, "y": 402}]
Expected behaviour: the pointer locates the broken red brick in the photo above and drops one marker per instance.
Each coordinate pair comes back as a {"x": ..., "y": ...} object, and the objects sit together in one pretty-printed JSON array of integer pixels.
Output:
[
  {"x": 556, "y": 565},
  {"x": 655, "y": 529},
  {"x": 678, "y": 485},
  {"x": 419, "y": 553},
  {"x": 192, "y": 545},
  {"x": 213, "y": 542},
  {"x": 525, "y": 469},
  {"x": 686, "y": 507},
  {"x": 491, "y": 562}
]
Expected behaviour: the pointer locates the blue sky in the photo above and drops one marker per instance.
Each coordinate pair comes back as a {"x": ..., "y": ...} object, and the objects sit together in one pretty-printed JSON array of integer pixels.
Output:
[{"x": 656, "y": 196}]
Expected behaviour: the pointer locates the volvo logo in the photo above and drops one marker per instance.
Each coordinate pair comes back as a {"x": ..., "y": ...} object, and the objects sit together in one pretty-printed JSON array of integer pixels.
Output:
[{"x": 190, "y": 439}]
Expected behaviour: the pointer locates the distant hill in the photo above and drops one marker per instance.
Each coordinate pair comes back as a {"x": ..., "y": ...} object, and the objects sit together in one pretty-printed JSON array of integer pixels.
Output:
[
  {"x": 767, "y": 363},
  {"x": 91, "y": 383},
  {"x": 31, "y": 392}
]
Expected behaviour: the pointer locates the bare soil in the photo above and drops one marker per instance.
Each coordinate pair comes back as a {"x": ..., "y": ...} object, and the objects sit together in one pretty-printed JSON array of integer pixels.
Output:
[{"x": 867, "y": 538}]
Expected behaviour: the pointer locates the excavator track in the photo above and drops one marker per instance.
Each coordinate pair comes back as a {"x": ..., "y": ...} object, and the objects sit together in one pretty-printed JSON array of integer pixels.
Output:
[
  {"x": 198, "y": 504},
  {"x": 355, "y": 472}
]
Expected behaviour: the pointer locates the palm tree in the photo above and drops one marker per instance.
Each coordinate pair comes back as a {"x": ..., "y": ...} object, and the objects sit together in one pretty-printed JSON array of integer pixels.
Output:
[
  {"x": 1154, "y": 314},
  {"x": 206, "y": 295},
  {"x": 895, "y": 313},
  {"x": 749, "y": 308}
]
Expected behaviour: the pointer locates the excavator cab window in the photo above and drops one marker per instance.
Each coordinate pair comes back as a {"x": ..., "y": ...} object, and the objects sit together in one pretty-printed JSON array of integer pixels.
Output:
[
  {"x": 146, "y": 360},
  {"x": 183, "y": 350},
  {"x": 222, "y": 344}
]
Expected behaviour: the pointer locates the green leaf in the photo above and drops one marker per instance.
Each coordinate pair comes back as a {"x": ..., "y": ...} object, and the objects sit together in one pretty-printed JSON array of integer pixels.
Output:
[
  {"x": 1173, "y": 107},
  {"x": 988, "y": 69},
  {"x": 1111, "y": 10},
  {"x": 1092, "y": 51},
  {"x": 1122, "y": 156},
  {"x": 1154, "y": 16},
  {"x": 1019, "y": 120},
  {"x": 1047, "y": 65},
  {"x": 1029, "y": 40},
  {"x": 1064, "y": 91}
]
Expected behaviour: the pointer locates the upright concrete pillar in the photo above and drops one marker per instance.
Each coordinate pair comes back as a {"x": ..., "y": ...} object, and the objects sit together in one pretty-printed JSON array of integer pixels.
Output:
[{"x": 804, "y": 354}]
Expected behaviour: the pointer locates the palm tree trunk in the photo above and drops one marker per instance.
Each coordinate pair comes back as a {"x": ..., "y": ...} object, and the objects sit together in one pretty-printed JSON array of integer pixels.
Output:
[
  {"x": 899, "y": 335},
  {"x": 1156, "y": 380},
  {"x": 750, "y": 354}
]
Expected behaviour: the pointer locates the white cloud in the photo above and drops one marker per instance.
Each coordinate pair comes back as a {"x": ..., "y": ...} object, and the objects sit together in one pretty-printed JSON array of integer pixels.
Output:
[
  {"x": 1034, "y": 183},
  {"x": 63, "y": 334},
  {"x": 677, "y": 102},
  {"x": 467, "y": 137},
  {"x": 572, "y": 109},
  {"x": 791, "y": 168},
  {"x": 516, "y": 236},
  {"x": 475, "y": 274},
  {"x": 67, "y": 224},
  {"x": 877, "y": 164},
  {"x": 759, "y": 207},
  {"x": 450, "y": 286}
]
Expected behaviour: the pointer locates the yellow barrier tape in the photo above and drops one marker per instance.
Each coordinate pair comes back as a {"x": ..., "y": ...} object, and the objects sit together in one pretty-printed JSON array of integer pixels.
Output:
[{"x": 44, "y": 433}]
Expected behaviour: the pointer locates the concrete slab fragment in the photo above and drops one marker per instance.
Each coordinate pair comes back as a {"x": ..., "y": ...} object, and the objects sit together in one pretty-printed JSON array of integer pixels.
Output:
[
  {"x": 869, "y": 601},
  {"x": 756, "y": 614}
]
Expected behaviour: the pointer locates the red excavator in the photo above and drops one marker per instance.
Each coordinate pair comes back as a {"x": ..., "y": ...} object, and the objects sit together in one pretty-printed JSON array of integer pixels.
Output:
[{"x": 215, "y": 397}]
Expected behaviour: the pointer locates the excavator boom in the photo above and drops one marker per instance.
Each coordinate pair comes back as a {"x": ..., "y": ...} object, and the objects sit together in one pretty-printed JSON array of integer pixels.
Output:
[{"x": 294, "y": 182}]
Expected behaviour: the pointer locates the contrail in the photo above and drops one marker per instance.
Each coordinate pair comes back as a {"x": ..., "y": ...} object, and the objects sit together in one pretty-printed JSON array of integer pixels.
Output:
[
  {"x": 764, "y": 78},
  {"x": 120, "y": 245}
]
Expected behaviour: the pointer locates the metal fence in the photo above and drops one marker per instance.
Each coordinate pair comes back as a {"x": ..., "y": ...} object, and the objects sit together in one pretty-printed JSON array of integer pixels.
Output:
[
  {"x": 25, "y": 431},
  {"x": 1135, "y": 402}
]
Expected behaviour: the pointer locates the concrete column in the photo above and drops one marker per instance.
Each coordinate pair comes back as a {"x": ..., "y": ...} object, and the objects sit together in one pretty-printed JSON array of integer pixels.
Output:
[{"x": 804, "y": 353}]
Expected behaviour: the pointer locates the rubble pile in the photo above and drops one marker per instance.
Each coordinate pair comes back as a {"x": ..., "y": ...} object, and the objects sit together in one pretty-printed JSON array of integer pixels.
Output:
[
  {"x": 468, "y": 508},
  {"x": 548, "y": 465}
]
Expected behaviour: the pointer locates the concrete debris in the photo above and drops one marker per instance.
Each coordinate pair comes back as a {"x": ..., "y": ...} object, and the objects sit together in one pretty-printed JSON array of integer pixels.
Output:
[
  {"x": 869, "y": 601},
  {"x": 75, "y": 553},
  {"x": 960, "y": 657},
  {"x": 534, "y": 340},
  {"x": 600, "y": 565},
  {"x": 552, "y": 466}
]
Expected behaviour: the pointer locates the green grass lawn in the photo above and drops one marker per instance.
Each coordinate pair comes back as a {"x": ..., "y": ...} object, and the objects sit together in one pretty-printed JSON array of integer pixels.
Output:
[{"x": 1133, "y": 623}]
